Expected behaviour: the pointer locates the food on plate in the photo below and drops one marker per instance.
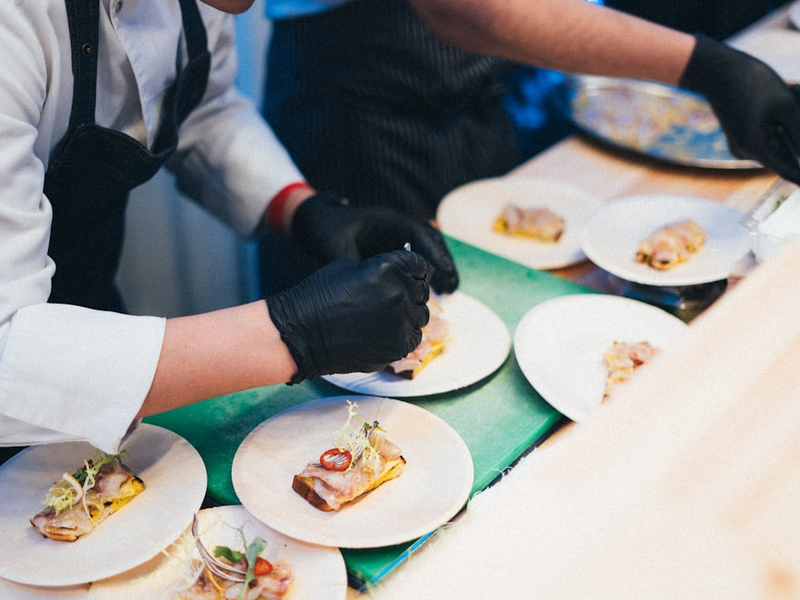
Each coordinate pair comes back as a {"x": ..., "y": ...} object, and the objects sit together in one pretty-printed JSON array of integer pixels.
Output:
[
  {"x": 361, "y": 459},
  {"x": 80, "y": 501},
  {"x": 435, "y": 338},
  {"x": 622, "y": 359},
  {"x": 244, "y": 574},
  {"x": 535, "y": 222},
  {"x": 671, "y": 245},
  {"x": 641, "y": 118}
]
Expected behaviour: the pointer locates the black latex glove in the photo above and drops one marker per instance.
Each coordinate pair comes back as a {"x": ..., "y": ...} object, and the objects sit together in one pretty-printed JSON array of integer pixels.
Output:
[
  {"x": 354, "y": 316},
  {"x": 759, "y": 113},
  {"x": 327, "y": 226}
]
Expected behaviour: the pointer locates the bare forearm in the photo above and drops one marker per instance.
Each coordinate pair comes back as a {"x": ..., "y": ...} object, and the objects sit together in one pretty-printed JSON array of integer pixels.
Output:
[
  {"x": 566, "y": 35},
  {"x": 216, "y": 353}
]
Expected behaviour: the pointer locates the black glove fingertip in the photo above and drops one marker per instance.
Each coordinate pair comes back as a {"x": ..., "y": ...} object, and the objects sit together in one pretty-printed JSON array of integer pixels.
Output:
[
  {"x": 425, "y": 315},
  {"x": 415, "y": 264},
  {"x": 444, "y": 282}
]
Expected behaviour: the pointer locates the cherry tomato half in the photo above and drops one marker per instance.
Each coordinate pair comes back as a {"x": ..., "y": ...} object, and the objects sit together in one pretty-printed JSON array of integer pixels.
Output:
[
  {"x": 335, "y": 459},
  {"x": 262, "y": 567}
]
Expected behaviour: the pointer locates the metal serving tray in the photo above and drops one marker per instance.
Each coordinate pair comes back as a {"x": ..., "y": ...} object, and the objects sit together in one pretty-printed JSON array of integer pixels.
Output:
[{"x": 652, "y": 119}]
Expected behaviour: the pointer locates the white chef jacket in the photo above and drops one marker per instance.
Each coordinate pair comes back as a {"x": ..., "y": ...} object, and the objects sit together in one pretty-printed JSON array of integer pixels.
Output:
[{"x": 67, "y": 372}]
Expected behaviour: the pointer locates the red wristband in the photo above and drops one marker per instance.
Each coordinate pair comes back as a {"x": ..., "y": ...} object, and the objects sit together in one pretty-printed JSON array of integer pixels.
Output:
[{"x": 277, "y": 206}]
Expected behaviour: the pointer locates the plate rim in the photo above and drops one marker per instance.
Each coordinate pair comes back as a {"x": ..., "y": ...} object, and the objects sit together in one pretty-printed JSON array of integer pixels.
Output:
[
  {"x": 190, "y": 466},
  {"x": 651, "y": 276},
  {"x": 559, "y": 260},
  {"x": 229, "y": 515},
  {"x": 794, "y": 14},
  {"x": 339, "y": 539},
  {"x": 392, "y": 386},
  {"x": 578, "y": 415}
]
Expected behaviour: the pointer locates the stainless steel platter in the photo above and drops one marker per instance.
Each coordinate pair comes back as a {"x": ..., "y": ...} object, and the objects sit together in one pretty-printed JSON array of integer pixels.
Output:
[{"x": 656, "y": 120}]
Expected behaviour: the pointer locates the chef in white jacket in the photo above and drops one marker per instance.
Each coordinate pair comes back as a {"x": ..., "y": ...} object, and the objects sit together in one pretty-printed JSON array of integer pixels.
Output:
[{"x": 95, "y": 97}]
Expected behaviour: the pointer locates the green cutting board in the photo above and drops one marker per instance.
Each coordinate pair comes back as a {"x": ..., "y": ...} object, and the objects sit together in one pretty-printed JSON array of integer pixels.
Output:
[{"x": 499, "y": 418}]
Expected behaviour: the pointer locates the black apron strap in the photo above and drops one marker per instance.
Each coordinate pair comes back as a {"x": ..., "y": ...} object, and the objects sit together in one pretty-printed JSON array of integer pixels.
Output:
[
  {"x": 93, "y": 168},
  {"x": 191, "y": 81},
  {"x": 83, "y": 16},
  {"x": 196, "y": 39}
]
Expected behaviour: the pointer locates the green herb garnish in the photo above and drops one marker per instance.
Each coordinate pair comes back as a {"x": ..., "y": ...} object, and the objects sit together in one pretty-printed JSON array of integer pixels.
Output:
[{"x": 252, "y": 552}]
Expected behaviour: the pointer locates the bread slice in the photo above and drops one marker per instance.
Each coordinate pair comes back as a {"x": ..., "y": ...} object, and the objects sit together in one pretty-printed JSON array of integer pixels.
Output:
[
  {"x": 305, "y": 485},
  {"x": 434, "y": 350},
  {"x": 435, "y": 338},
  {"x": 115, "y": 486}
]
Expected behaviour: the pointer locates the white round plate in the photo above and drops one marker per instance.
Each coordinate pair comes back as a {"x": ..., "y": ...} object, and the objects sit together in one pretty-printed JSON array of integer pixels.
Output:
[
  {"x": 776, "y": 47},
  {"x": 612, "y": 237},
  {"x": 468, "y": 213},
  {"x": 559, "y": 345},
  {"x": 18, "y": 591},
  {"x": 175, "y": 480},
  {"x": 319, "y": 572},
  {"x": 794, "y": 14},
  {"x": 434, "y": 485},
  {"x": 480, "y": 345}
]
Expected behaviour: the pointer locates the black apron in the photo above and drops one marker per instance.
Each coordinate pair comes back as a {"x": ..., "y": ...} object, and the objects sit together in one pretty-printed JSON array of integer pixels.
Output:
[
  {"x": 93, "y": 168},
  {"x": 370, "y": 104}
]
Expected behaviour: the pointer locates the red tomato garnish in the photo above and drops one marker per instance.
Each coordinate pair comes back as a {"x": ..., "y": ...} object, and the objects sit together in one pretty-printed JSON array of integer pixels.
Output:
[
  {"x": 262, "y": 567},
  {"x": 335, "y": 459}
]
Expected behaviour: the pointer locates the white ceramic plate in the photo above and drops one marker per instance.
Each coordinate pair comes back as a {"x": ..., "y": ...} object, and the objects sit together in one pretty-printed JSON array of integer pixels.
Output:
[
  {"x": 175, "y": 480},
  {"x": 480, "y": 345},
  {"x": 435, "y": 483},
  {"x": 778, "y": 48},
  {"x": 468, "y": 214},
  {"x": 18, "y": 591},
  {"x": 794, "y": 14},
  {"x": 612, "y": 237},
  {"x": 559, "y": 345},
  {"x": 319, "y": 572}
]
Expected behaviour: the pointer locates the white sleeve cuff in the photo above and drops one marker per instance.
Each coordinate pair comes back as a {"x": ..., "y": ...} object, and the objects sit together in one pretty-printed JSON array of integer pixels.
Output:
[{"x": 72, "y": 373}]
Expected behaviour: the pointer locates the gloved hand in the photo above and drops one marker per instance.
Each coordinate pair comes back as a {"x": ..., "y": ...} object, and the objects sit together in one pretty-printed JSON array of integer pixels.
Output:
[
  {"x": 759, "y": 113},
  {"x": 327, "y": 226},
  {"x": 354, "y": 316}
]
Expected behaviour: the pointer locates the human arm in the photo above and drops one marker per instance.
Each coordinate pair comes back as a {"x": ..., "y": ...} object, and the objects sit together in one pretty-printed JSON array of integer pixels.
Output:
[
  {"x": 70, "y": 373},
  {"x": 232, "y": 163},
  {"x": 348, "y": 316},
  {"x": 211, "y": 354},
  {"x": 573, "y": 36},
  {"x": 760, "y": 116},
  {"x": 66, "y": 372}
]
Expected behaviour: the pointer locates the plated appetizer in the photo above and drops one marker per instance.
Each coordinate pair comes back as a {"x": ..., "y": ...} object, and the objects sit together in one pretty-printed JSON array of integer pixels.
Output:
[
  {"x": 80, "y": 501},
  {"x": 243, "y": 574},
  {"x": 622, "y": 359},
  {"x": 671, "y": 245},
  {"x": 362, "y": 458},
  {"x": 538, "y": 223},
  {"x": 435, "y": 338}
]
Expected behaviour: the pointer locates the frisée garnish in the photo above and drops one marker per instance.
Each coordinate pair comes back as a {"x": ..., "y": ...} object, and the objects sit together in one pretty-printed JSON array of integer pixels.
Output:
[
  {"x": 354, "y": 437},
  {"x": 64, "y": 493},
  {"x": 74, "y": 486}
]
